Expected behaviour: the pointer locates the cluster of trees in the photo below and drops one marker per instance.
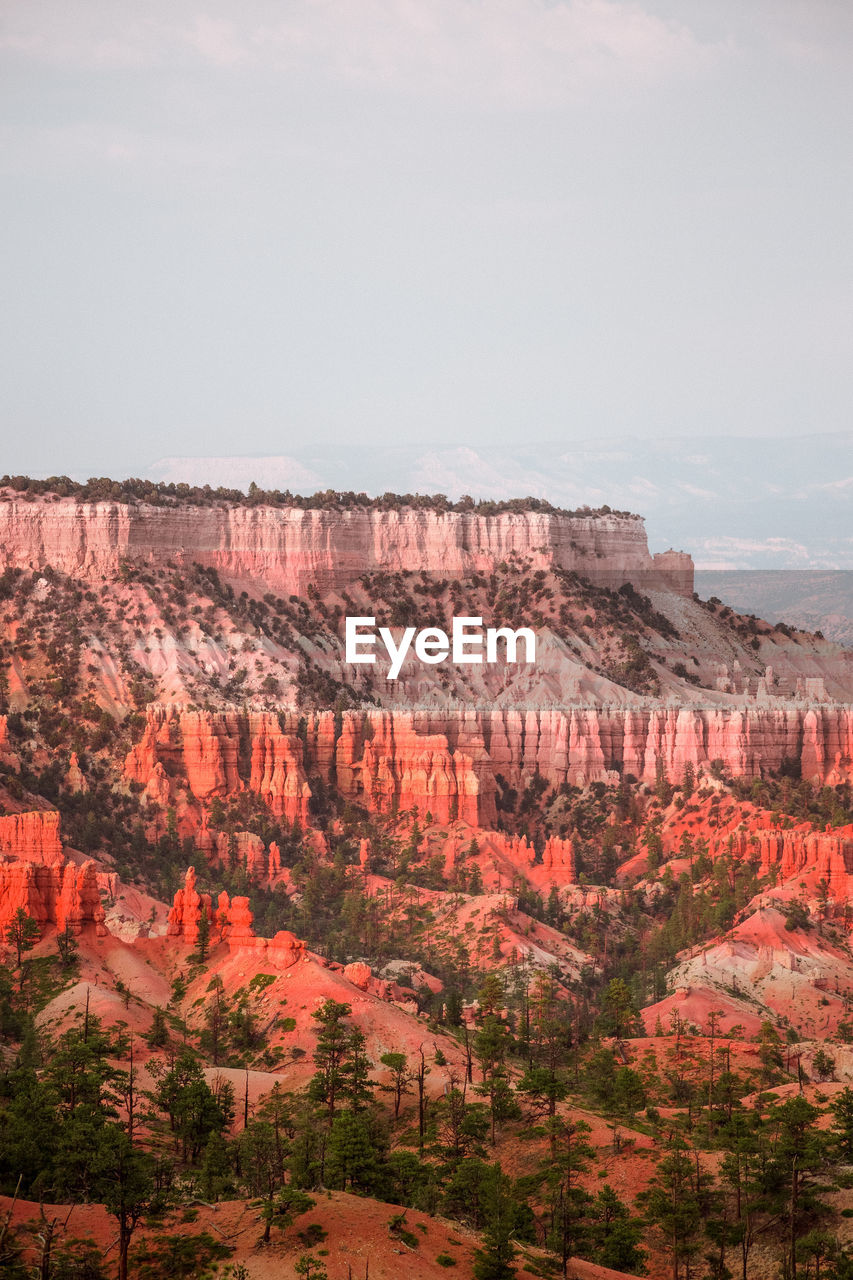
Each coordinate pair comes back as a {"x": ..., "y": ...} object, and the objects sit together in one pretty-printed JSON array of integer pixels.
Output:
[
  {"x": 102, "y": 489},
  {"x": 776, "y": 1165},
  {"x": 77, "y": 1127},
  {"x": 733, "y": 1178},
  {"x": 791, "y": 797}
]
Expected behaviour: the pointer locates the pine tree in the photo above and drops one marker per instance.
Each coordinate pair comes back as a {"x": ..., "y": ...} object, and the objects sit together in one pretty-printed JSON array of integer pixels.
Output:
[
  {"x": 354, "y": 1153},
  {"x": 22, "y": 932},
  {"x": 799, "y": 1152},
  {"x": 280, "y": 1212},
  {"x": 491, "y": 1045},
  {"x": 310, "y": 1268},
  {"x": 688, "y": 783},
  {"x": 842, "y": 1128},
  {"x": 203, "y": 941},
  {"x": 620, "y": 1011},
  {"x": 493, "y": 1261},
  {"x": 571, "y": 1156},
  {"x": 330, "y": 1054},
  {"x": 125, "y": 1185},
  {"x": 157, "y": 1036},
  {"x": 215, "y": 1173},
  {"x": 401, "y": 1078},
  {"x": 66, "y": 945},
  {"x": 675, "y": 1201},
  {"x": 194, "y": 1110},
  {"x": 615, "y": 1235},
  {"x": 663, "y": 791}
]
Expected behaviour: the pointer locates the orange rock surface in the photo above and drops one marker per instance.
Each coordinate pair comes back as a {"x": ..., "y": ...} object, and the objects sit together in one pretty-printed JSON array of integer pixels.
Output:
[
  {"x": 204, "y": 747},
  {"x": 793, "y": 851},
  {"x": 231, "y": 921},
  {"x": 34, "y": 837},
  {"x": 35, "y": 876},
  {"x": 446, "y": 763},
  {"x": 56, "y": 895}
]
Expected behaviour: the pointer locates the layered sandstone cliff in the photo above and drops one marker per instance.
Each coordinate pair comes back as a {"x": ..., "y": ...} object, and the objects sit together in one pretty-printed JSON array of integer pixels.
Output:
[
  {"x": 469, "y": 754},
  {"x": 455, "y": 764},
  {"x": 284, "y": 549},
  {"x": 203, "y": 748},
  {"x": 36, "y": 876},
  {"x": 32, "y": 837}
]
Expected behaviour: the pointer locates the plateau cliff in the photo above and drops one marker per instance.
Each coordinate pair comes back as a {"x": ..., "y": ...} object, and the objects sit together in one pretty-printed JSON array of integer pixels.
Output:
[{"x": 288, "y": 549}]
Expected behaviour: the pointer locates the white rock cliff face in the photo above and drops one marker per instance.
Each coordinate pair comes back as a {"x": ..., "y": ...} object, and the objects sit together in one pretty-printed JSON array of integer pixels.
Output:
[{"x": 286, "y": 549}]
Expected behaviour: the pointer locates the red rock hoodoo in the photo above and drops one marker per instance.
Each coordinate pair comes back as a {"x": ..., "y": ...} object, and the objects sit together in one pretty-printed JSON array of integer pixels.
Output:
[
  {"x": 446, "y": 763},
  {"x": 35, "y": 876},
  {"x": 794, "y": 851},
  {"x": 231, "y": 921}
]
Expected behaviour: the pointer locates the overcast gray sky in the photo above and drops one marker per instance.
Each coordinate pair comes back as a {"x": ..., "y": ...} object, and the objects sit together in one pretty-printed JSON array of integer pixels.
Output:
[{"x": 237, "y": 228}]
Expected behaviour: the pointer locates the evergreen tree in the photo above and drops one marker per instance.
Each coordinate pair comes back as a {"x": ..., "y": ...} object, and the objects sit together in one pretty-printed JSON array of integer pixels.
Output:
[
  {"x": 799, "y": 1152},
  {"x": 742, "y": 1175},
  {"x": 675, "y": 1201},
  {"x": 842, "y": 1128},
  {"x": 125, "y": 1185},
  {"x": 30, "y": 1132},
  {"x": 215, "y": 1175},
  {"x": 459, "y": 1127},
  {"x": 193, "y": 1109},
  {"x": 280, "y": 1212},
  {"x": 22, "y": 933},
  {"x": 615, "y": 1236},
  {"x": 494, "y": 1260},
  {"x": 310, "y": 1268},
  {"x": 354, "y": 1154},
  {"x": 157, "y": 1036},
  {"x": 202, "y": 945},
  {"x": 343, "y": 1068},
  {"x": 214, "y": 1036},
  {"x": 66, "y": 944},
  {"x": 491, "y": 1045},
  {"x": 401, "y": 1078},
  {"x": 620, "y": 1014},
  {"x": 331, "y": 1054},
  {"x": 568, "y": 1203},
  {"x": 688, "y": 782},
  {"x": 264, "y": 1148}
]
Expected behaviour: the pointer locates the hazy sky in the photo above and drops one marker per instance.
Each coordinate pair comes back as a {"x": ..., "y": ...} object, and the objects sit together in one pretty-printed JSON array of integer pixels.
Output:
[{"x": 243, "y": 227}]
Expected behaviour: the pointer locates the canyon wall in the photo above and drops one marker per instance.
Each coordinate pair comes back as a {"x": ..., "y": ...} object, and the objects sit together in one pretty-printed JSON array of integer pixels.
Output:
[
  {"x": 219, "y": 754},
  {"x": 35, "y": 875},
  {"x": 33, "y": 837},
  {"x": 457, "y": 763},
  {"x": 284, "y": 549}
]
